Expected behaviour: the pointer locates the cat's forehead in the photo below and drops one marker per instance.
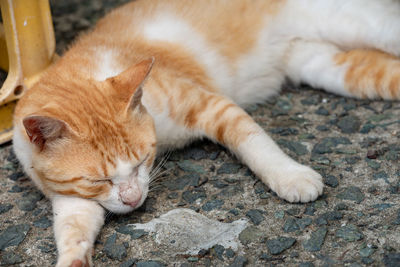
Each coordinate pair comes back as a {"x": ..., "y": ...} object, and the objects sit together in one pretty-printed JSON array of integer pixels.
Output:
[{"x": 123, "y": 168}]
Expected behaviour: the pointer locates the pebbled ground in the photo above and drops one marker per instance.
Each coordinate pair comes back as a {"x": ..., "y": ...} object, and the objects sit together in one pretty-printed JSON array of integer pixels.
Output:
[{"x": 354, "y": 144}]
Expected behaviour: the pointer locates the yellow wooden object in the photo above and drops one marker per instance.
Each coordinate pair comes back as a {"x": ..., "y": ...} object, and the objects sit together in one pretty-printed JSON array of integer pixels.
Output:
[{"x": 27, "y": 48}]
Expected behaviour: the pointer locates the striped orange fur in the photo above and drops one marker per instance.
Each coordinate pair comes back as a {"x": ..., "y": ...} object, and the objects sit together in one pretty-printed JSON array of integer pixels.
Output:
[{"x": 371, "y": 73}]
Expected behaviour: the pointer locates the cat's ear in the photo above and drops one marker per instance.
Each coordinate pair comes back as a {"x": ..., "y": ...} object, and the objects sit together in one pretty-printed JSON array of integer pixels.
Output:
[
  {"x": 128, "y": 84},
  {"x": 43, "y": 129}
]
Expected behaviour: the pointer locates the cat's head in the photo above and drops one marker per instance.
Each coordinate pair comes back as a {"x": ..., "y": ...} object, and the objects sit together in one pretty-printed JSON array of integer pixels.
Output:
[{"x": 98, "y": 144}]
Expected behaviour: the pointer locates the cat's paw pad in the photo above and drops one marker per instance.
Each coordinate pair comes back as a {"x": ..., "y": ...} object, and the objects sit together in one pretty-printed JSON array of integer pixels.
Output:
[
  {"x": 300, "y": 184},
  {"x": 79, "y": 263},
  {"x": 77, "y": 256}
]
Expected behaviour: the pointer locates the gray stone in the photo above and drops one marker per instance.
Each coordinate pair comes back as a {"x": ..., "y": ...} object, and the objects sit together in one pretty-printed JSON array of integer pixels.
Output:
[
  {"x": 189, "y": 166},
  {"x": 16, "y": 176},
  {"x": 194, "y": 194},
  {"x": 290, "y": 225},
  {"x": 280, "y": 214},
  {"x": 5, "y": 207},
  {"x": 322, "y": 111},
  {"x": 280, "y": 244},
  {"x": 349, "y": 233},
  {"x": 367, "y": 128},
  {"x": 293, "y": 211},
  {"x": 47, "y": 247},
  {"x": 349, "y": 124},
  {"x": 150, "y": 264},
  {"x": 28, "y": 200},
  {"x": 219, "y": 251},
  {"x": 331, "y": 216},
  {"x": 256, "y": 216},
  {"x": 190, "y": 259},
  {"x": 352, "y": 160},
  {"x": 306, "y": 264},
  {"x": 282, "y": 108},
  {"x": 367, "y": 260},
  {"x": 229, "y": 168},
  {"x": 391, "y": 260},
  {"x": 43, "y": 222},
  {"x": 212, "y": 204},
  {"x": 283, "y": 131},
  {"x": 239, "y": 261},
  {"x": 294, "y": 146},
  {"x": 397, "y": 219},
  {"x": 352, "y": 193},
  {"x": 17, "y": 189},
  {"x": 373, "y": 164},
  {"x": 10, "y": 258},
  {"x": 327, "y": 144},
  {"x": 183, "y": 181},
  {"x": 229, "y": 253},
  {"x": 322, "y": 128},
  {"x": 382, "y": 206},
  {"x": 13, "y": 235},
  {"x": 311, "y": 100},
  {"x": 304, "y": 222},
  {"x": 231, "y": 191},
  {"x": 128, "y": 263},
  {"x": 381, "y": 175},
  {"x": 250, "y": 235},
  {"x": 130, "y": 230},
  {"x": 192, "y": 231},
  {"x": 392, "y": 155},
  {"x": 195, "y": 153},
  {"x": 331, "y": 181},
  {"x": 316, "y": 240},
  {"x": 234, "y": 212},
  {"x": 367, "y": 251},
  {"x": 112, "y": 250}
]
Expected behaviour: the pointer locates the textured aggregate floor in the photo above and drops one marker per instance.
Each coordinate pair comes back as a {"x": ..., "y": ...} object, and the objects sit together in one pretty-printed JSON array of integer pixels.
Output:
[{"x": 353, "y": 143}]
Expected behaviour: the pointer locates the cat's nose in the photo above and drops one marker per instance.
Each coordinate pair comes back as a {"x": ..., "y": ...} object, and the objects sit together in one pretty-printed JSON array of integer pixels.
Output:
[
  {"x": 133, "y": 204},
  {"x": 130, "y": 195}
]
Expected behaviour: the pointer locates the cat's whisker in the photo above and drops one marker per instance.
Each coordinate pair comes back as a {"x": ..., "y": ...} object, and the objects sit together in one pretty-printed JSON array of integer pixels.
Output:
[
  {"x": 162, "y": 161},
  {"x": 155, "y": 188},
  {"x": 155, "y": 172}
]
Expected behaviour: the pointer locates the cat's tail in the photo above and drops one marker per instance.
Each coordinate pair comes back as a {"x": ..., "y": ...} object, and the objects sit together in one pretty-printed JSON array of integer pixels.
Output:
[{"x": 362, "y": 73}]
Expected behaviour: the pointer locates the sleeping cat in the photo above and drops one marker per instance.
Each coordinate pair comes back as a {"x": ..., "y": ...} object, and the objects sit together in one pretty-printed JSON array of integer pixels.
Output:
[{"x": 155, "y": 75}]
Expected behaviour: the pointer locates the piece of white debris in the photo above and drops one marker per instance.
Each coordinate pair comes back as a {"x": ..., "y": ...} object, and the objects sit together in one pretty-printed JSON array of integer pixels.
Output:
[{"x": 187, "y": 232}]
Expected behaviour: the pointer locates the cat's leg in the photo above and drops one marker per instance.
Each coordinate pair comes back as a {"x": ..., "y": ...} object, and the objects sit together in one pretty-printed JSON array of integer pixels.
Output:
[
  {"x": 348, "y": 24},
  {"x": 223, "y": 121},
  {"x": 76, "y": 224},
  {"x": 361, "y": 73}
]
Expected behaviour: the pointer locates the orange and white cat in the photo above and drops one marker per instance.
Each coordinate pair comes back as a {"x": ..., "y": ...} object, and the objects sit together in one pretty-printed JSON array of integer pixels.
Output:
[{"x": 154, "y": 75}]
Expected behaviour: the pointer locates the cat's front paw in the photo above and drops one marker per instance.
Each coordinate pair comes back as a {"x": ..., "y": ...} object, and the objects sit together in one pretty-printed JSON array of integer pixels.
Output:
[
  {"x": 298, "y": 184},
  {"x": 79, "y": 256}
]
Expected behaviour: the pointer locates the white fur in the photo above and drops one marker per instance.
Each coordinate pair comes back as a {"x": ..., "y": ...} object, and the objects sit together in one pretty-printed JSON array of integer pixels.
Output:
[
  {"x": 257, "y": 76},
  {"x": 107, "y": 66},
  {"x": 169, "y": 28},
  {"x": 23, "y": 150},
  {"x": 312, "y": 63},
  {"x": 125, "y": 175},
  {"x": 349, "y": 24},
  {"x": 76, "y": 224},
  {"x": 169, "y": 133},
  {"x": 289, "y": 179}
]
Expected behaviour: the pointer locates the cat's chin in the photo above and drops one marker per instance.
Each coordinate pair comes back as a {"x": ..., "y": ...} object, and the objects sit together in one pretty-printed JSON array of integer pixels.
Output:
[{"x": 119, "y": 207}]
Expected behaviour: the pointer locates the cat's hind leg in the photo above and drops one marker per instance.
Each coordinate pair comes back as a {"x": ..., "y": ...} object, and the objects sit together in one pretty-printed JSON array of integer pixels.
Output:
[
  {"x": 76, "y": 224},
  {"x": 225, "y": 122},
  {"x": 372, "y": 24},
  {"x": 362, "y": 73}
]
